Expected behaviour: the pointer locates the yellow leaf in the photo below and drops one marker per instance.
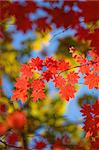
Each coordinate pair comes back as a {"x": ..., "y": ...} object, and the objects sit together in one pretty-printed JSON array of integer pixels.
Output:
[{"x": 40, "y": 41}]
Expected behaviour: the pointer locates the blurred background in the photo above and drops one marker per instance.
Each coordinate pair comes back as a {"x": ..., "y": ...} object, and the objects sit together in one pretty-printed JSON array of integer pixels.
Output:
[{"x": 31, "y": 28}]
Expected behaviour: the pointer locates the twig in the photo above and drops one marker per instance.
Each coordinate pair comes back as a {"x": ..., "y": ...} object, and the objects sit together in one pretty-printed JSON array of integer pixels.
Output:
[
  {"x": 55, "y": 35},
  {"x": 79, "y": 66}
]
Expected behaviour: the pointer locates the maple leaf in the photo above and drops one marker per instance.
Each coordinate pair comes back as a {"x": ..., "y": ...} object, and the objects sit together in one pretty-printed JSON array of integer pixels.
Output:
[
  {"x": 38, "y": 94},
  {"x": 59, "y": 81},
  {"x": 51, "y": 64},
  {"x": 95, "y": 108},
  {"x": 94, "y": 62},
  {"x": 82, "y": 33},
  {"x": 37, "y": 84},
  {"x": 67, "y": 92},
  {"x": 47, "y": 75},
  {"x": 42, "y": 24},
  {"x": 72, "y": 77},
  {"x": 22, "y": 85},
  {"x": 88, "y": 9},
  {"x": 81, "y": 59},
  {"x": 91, "y": 118},
  {"x": 36, "y": 63},
  {"x": 41, "y": 40},
  {"x": 19, "y": 94},
  {"x": 20, "y": 12},
  {"x": 23, "y": 23},
  {"x": 92, "y": 80},
  {"x": 86, "y": 109},
  {"x": 93, "y": 54},
  {"x": 30, "y": 6},
  {"x": 96, "y": 65},
  {"x": 63, "y": 65},
  {"x": 84, "y": 69},
  {"x": 26, "y": 71}
]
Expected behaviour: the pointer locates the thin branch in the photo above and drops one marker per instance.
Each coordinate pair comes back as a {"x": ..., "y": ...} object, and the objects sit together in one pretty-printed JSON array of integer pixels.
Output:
[
  {"x": 95, "y": 62},
  {"x": 55, "y": 35}
]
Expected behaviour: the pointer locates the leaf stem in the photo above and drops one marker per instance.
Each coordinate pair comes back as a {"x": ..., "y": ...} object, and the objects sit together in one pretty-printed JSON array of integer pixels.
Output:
[{"x": 79, "y": 66}]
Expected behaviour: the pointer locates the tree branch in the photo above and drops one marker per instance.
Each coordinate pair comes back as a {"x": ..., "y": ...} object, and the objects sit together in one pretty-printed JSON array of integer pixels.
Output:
[
  {"x": 65, "y": 29},
  {"x": 55, "y": 35},
  {"x": 95, "y": 62}
]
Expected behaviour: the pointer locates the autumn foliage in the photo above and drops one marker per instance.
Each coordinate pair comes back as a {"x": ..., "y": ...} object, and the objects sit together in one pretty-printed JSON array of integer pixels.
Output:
[
  {"x": 27, "y": 86},
  {"x": 85, "y": 10},
  {"x": 30, "y": 92}
]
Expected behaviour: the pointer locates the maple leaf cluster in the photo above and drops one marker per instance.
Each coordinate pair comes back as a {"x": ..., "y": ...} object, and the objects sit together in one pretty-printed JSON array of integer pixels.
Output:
[
  {"x": 31, "y": 85},
  {"x": 91, "y": 123},
  {"x": 51, "y": 69},
  {"x": 89, "y": 67},
  {"x": 21, "y": 13}
]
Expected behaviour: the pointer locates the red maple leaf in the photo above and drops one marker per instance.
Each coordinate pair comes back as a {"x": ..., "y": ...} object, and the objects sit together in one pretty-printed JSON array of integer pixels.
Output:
[
  {"x": 19, "y": 95},
  {"x": 63, "y": 65},
  {"x": 22, "y": 85},
  {"x": 42, "y": 24},
  {"x": 59, "y": 81},
  {"x": 91, "y": 118},
  {"x": 92, "y": 80},
  {"x": 38, "y": 94},
  {"x": 52, "y": 64},
  {"x": 37, "y": 84},
  {"x": 23, "y": 23},
  {"x": 20, "y": 12},
  {"x": 67, "y": 92},
  {"x": 26, "y": 71},
  {"x": 47, "y": 75},
  {"x": 88, "y": 7},
  {"x": 84, "y": 69},
  {"x": 72, "y": 77},
  {"x": 36, "y": 63}
]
